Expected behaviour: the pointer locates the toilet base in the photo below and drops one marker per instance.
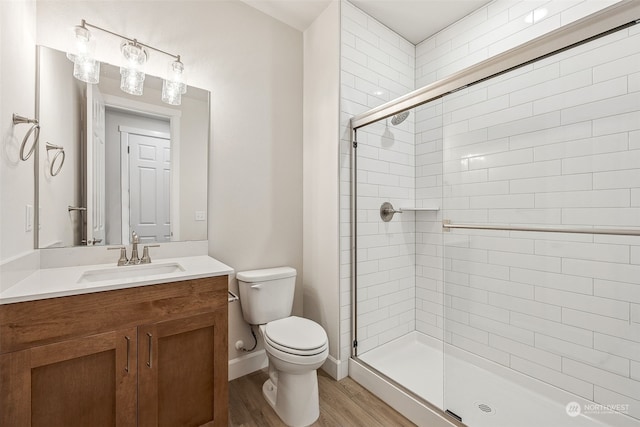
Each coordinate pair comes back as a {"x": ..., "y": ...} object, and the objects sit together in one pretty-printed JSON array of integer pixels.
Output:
[
  {"x": 269, "y": 391},
  {"x": 294, "y": 398}
]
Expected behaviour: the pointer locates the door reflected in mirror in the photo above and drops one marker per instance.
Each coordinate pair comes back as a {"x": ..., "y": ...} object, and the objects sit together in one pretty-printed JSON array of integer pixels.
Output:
[{"x": 132, "y": 162}]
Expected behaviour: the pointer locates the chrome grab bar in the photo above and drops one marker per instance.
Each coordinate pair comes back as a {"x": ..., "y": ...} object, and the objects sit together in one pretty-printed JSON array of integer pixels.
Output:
[{"x": 447, "y": 226}]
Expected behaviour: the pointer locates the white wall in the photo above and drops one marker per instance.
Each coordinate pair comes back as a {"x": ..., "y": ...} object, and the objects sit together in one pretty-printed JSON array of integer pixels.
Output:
[
  {"x": 17, "y": 89},
  {"x": 252, "y": 64},
  {"x": 321, "y": 278},
  {"x": 193, "y": 165}
]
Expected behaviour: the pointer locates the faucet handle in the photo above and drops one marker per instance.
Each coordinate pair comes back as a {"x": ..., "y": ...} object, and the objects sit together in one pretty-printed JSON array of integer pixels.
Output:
[
  {"x": 123, "y": 255},
  {"x": 146, "y": 259}
]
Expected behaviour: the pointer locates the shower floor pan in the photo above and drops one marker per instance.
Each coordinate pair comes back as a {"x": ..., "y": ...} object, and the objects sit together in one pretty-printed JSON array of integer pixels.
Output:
[{"x": 483, "y": 393}]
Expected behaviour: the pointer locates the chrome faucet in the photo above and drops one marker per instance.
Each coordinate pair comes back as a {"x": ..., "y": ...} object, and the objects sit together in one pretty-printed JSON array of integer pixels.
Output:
[{"x": 135, "y": 259}]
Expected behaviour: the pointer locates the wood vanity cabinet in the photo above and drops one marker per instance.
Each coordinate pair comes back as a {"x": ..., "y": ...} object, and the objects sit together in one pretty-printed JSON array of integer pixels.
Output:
[{"x": 153, "y": 355}]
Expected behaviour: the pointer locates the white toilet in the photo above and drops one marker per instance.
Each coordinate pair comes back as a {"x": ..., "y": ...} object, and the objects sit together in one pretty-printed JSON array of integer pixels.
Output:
[{"x": 296, "y": 347}]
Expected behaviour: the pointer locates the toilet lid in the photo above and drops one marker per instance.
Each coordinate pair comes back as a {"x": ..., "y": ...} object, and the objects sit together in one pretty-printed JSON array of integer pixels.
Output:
[{"x": 296, "y": 335}]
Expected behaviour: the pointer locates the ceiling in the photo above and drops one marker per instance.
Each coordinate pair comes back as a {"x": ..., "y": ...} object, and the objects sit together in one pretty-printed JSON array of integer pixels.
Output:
[
  {"x": 415, "y": 20},
  {"x": 297, "y": 13}
]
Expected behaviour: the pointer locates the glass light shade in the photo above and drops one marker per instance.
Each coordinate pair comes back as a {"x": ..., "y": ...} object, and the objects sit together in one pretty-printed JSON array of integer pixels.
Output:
[
  {"x": 172, "y": 92},
  {"x": 173, "y": 86},
  {"x": 84, "y": 43},
  {"x": 131, "y": 73},
  {"x": 131, "y": 81},
  {"x": 86, "y": 69}
]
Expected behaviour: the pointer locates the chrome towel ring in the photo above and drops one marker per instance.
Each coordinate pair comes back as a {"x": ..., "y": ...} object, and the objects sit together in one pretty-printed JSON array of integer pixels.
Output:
[
  {"x": 34, "y": 130},
  {"x": 59, "y": 155}
]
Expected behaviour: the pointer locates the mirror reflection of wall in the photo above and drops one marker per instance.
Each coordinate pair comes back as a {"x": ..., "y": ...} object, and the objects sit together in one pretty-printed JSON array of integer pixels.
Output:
[
  {"x": 60, "y": 116},
  {"x": 143, "y": 166}
]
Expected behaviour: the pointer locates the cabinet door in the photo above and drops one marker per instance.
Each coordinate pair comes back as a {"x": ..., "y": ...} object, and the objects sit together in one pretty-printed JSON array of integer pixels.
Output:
[
  {"x": 182, "y": 372},
  {"x": 89, "y": 381}
]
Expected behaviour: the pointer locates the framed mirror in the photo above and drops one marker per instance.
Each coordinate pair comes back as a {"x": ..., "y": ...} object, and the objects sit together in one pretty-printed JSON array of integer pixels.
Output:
[{"x": 110, "y": 163}]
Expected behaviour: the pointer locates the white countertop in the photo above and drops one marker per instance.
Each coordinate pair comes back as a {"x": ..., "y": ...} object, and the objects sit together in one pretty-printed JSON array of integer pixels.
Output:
[{"x": 64, "y": 281}]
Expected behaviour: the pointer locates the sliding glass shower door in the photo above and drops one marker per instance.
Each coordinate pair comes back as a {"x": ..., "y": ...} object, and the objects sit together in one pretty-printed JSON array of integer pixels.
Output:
[{"x": 542, "y": 326}]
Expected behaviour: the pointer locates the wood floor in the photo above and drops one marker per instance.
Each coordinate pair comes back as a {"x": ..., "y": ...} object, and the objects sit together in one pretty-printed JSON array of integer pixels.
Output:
[{"x": 342, "y": 404}]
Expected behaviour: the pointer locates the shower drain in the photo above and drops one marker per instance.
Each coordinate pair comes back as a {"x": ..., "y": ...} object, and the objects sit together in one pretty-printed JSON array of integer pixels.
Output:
[{"x": 486, "y": 408}]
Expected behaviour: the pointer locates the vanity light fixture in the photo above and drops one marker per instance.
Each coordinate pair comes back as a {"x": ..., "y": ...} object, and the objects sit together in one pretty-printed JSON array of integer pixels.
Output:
[{"x": 87, "y": 69}]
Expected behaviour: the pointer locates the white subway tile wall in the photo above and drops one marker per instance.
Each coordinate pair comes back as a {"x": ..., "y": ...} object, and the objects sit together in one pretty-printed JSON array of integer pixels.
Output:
[
  {"x": 377, "y": 66},
  {"x": 429, "y": 279},
  {"x": 567, "y": 301},
  {"x": 493, "y": 29},
  {"x": 553, "y": 143}
]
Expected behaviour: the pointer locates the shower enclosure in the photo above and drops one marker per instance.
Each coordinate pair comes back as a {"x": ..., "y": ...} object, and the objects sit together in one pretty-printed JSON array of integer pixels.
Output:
[{"x": 496, "y": 237}]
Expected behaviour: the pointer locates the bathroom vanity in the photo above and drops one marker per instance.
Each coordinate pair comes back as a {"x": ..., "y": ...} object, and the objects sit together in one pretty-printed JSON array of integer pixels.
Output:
[{"x": 119, "y": 352}]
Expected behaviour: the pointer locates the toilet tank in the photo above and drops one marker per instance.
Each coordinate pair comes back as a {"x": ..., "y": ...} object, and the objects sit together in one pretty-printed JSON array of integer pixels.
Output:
[{"x": 267, "y": 294}]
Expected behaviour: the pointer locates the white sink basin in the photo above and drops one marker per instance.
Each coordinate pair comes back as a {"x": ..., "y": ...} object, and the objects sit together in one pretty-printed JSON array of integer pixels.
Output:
[{"x": 129, "y": 271}]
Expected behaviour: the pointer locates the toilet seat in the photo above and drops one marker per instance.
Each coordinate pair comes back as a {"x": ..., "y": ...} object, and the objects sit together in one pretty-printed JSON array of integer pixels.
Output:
[{"x": 295, "y": 335}]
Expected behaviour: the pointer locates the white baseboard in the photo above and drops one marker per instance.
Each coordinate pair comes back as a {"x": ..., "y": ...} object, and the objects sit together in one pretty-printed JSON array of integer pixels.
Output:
[
  {"x": 343, "y": 370},
  {"x": 246, "y": 364},
  {"x": 335, "y": 368}
]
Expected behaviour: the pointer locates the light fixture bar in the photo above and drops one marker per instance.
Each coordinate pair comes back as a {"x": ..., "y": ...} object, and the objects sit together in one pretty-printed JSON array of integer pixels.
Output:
[
  {"x": 84, "y": 24},
  {"x": 87, "y": 69}
]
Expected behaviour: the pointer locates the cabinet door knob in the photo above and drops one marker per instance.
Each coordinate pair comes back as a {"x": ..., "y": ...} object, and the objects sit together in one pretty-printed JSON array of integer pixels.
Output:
[
  {"x": 149, "y": 362},
  {"x": 128, "y": 351}
]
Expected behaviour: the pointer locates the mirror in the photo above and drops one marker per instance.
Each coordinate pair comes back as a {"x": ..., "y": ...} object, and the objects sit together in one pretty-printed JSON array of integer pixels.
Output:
[{"x": 129, "y": 163}]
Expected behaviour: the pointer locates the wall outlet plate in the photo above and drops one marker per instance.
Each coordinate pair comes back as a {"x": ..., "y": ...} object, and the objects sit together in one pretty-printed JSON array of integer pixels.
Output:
[{"x": 201, "y": 216}]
